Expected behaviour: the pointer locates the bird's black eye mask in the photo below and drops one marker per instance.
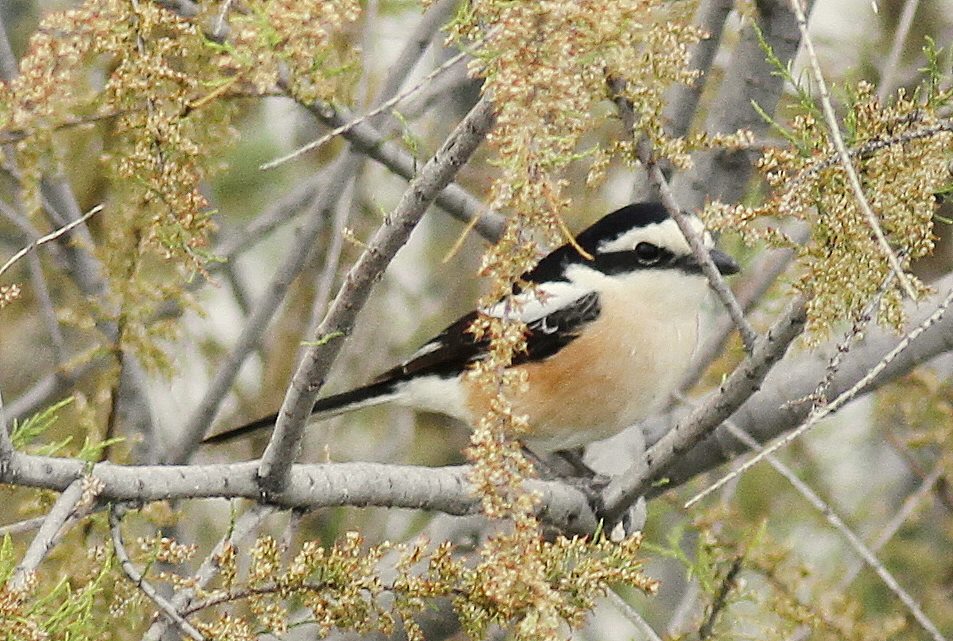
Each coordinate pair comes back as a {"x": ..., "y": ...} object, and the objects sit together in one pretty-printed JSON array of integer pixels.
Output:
[{"x": 644, "y": 256}]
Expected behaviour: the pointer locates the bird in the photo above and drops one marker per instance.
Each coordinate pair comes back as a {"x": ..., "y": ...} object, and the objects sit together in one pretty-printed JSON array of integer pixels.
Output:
[{"x": 612, "y": 321}]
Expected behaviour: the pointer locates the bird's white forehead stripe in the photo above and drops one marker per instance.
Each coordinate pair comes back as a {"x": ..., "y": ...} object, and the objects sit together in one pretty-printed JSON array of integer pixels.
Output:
[{"x": 665, "y": 234}]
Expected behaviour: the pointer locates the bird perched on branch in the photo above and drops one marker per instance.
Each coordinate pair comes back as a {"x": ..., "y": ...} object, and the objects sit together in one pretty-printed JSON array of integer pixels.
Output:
[{"x": 611, "y": 331}]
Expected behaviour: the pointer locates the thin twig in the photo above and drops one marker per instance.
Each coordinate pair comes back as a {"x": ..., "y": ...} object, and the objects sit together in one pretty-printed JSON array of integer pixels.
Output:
[
  {"x": 647, "y": 157},
  {"x": 391, "y": 236},
  {"x": 721, "y": 599},
  {"x": 166, "y": 608},
  {"x": 633, "y": 616},
  {"x": 820, "y": 412},
  {"x": 348, "y": 126},
  {"x": 47, "y": 309},
  {"x": 51, "y": 236},
  {"x": 838, "y": 524},
  {"x": 332, "y": 259},
  {"x": 63, "y": 509},
  {"x": 844, "y": 156},
  {"x": 855, "y": 332},
  {"x": 761, "y": 275},
  {"x": 455, "y": 200},
  {"x": 243, "y": 527},
  {"x": 896, "y": 49},
  {"x": 903, "y": 451},
  {"x": 26, "y": 525},
  {"x": 867, "y": 149},
  {"x": 702, "y": 255},
  {"x": 910, "y": 504}
]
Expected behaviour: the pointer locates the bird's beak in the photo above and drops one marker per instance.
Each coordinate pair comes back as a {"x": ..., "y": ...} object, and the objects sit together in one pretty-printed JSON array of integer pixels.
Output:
[{"x": 725, "y": 263}]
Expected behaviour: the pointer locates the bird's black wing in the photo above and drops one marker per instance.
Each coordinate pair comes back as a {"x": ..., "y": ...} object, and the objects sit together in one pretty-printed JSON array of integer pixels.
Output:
[{"x": 448, "y": 353}]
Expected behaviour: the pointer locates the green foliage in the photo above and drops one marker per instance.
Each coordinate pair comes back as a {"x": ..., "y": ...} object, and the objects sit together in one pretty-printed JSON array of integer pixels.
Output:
[
  {"x": 59, "y": 612},
  {"x": 24, "y": 435},
  {"x": 27, "y": 431}
]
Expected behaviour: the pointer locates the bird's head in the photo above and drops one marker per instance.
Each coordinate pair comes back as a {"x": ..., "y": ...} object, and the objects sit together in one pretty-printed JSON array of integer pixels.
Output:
[{"x": 635, "y": 238}]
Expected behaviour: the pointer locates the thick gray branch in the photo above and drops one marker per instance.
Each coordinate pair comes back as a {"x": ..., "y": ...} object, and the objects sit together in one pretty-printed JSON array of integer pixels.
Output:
[
  {"x": 265, "y": 308},
  {"x": 443, "y": 489},
  {"x": 771, "y": 412}
]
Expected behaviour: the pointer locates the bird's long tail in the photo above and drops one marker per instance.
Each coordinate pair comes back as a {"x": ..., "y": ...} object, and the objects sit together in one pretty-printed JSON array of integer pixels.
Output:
[{"x": 367, "y": 396}]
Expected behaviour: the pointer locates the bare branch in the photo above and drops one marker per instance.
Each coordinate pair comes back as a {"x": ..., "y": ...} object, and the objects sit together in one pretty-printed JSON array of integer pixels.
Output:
[
  {"x": 909, "y": 506},
  {"x": 845, "y": 160},
  {"x": 295, "y": 258},
  {"x": 770, "y": 413},
  {"x": 889, "y": 70},
  {"x": 42, "y": 293},
  {"x": 838, "y": 524},
  {"x": 391, "y": 236},
  {"x": 6, "y": 444},
  {"x": 65, "y": 229},
  {"x": 723, "y": 175},
  {"x": 63, "y": 509},
  {"x": 311, "y": 486},
  {"x": 681, "y": 101},
  {"x": 633, "y": 616},
  {"x": 740, "y": 385},
  {"x": 715, "y": 279},
  {"x": 657, "y": 178},
  {"x": 166, "y": 608},
  {"x": 50, "y": 387},
  {"x": 348, "y": 126},
  {"x": 822, "y": 411}
]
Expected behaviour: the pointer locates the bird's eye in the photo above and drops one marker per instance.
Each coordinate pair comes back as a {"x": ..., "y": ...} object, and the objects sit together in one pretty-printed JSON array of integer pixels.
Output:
[{"x": 647, "y": 253}]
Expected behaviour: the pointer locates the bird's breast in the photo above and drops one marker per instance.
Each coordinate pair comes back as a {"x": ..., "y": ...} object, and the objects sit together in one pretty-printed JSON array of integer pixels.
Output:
[{"x": 621, "y": 369}]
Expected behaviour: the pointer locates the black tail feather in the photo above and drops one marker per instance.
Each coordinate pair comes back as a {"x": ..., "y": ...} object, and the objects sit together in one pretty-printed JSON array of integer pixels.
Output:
[{"x": 372, "y": 394}]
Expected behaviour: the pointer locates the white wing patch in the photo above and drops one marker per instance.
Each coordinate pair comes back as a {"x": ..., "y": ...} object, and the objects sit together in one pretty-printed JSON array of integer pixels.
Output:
[
  {"x": 530, "y": 306},
  {"x": 426, "y": 348}
]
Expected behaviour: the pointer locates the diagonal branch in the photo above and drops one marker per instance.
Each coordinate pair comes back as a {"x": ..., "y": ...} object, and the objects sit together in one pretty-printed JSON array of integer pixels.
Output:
[
  {"x": 166, "y": 608},
  {"x": 308, "y": 379},
  {"x": 838, "y": 524},
  {"x": 844, "y": 156},
  {"x": 739, "y": 387},
  {"x": 715, "y": 279},
  {"x": 264, "y": 310},
  {"x": 775, "y": 411},
  {"x": 822, "y": 411},
  {"x": 63, "y": 509},
  {"x": 647, "y": 157},
  {"x": 65, "y": 229},
  {"x": 455, "y": 200}
]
